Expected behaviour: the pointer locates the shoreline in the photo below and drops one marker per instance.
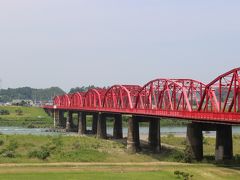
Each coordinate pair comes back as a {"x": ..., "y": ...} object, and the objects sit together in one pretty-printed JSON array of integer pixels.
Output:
[{"x": 165, "y": 131}]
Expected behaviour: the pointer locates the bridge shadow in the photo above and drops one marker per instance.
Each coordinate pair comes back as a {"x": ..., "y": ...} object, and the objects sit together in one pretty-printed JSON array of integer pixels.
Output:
[
  {"x": 231, "y": 164},
  {"x": 173, "y": 154},
  {"x": 167, "y": 153}
]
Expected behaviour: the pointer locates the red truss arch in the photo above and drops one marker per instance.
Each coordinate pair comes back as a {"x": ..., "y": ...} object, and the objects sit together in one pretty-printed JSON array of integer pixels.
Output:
[
  {"x": 56, "y": 101},
  {"x": 223, "y": 93},
  {"x": 65, "y": 100},
  {"x": 76, "y": 99},
  {"x": 134, "y": 90},
  {"x": 118, "y": 97},
  {"x": 194, "y": 91},
  {"x": 163, "y": 94},
  {"x": 93, "y": 98}
]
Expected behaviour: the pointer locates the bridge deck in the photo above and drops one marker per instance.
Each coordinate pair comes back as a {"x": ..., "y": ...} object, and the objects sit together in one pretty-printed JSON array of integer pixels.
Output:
[{"x": 228, "y": 118}]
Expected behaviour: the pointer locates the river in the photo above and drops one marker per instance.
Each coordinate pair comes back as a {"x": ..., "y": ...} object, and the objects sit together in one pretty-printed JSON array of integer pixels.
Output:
[{"x": 179, "y": 131}]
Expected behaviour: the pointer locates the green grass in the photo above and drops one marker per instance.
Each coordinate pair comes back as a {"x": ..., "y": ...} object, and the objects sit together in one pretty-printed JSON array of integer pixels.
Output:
[
  {"x": 30, "y": 117},
  {"x": 71, "y": 149},
  {"x": 66, "y": 149},
  {"x": 208, "y": 146},
  {"x": 91, "y": 149},
  {"x": 83, "y": 149},
  {"x": 138, "y": 172},
  {"x": 88, "y": 175}
]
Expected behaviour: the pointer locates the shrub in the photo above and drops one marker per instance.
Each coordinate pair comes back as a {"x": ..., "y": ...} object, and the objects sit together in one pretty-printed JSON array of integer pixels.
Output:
[
  {"x": 9, "y": 154},
  {"x": 177, "y": 173},
  {"x": 178, "y": 156},
  {"x": 19, "y": 112},
  {"x": 184, "y": 175},
  {"x": 10, "y": 149},
  {"x": 1, "y": 142},
  {"x": 188, "y": 156},
  {"x": 31, "y": 126},
  {"x": 42, "y": 154},
  {"x": 39, "y": 154},
  {"x": 12, "y": 146},
  {"x": 184, "y": 142},
  {"x": 4, "y": 112}
]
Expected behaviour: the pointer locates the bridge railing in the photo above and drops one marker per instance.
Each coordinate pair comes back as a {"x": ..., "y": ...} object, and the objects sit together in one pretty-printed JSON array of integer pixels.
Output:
[{"x": 194, "y": 115}]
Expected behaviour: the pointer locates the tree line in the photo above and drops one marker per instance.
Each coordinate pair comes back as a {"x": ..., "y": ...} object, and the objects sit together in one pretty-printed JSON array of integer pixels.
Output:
[
  {"x": 27, "y": 93},
  {"x": 84, "y": 88}
]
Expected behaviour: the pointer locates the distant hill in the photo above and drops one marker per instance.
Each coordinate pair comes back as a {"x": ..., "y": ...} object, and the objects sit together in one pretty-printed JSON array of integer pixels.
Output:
[
  {"x": 7, "y": 95},
  {"x": 85, "y": 88},
  {"x": 81, "y": 89}
]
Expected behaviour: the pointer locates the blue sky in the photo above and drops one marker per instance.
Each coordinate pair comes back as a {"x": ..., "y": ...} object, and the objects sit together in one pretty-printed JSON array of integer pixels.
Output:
[{"x": 73, "y": 43}]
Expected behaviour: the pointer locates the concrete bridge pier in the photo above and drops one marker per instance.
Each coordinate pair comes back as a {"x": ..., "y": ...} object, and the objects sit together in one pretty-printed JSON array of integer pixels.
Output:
[
  {"x": 133, "y": 141},
  {"x": 195, "y": 140},
  {"x": 101, "y": 126},
  {"x": 82, "y": 127},
  {"x": 94, "y": 123},
  {"x": 117, "y": 127},
  {"x": 62, "y": 119},
  {"x": 224, "y": 144},
  {"x": 69, "y": 121},
  {"x": 58, "y": 117},
  {"x": 154, "y": 137}
]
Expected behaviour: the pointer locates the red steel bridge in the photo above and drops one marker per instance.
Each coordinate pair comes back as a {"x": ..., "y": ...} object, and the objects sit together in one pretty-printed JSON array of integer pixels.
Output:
[{"x": 218, "y": 101}]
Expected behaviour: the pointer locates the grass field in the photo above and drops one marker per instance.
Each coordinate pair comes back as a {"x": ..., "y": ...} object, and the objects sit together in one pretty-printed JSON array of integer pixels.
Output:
[
  {"x": 208, "y": 144},
  {"x": 31, "y": 148},
  {"x": 29, "y": 117},
  {"x": 74, "y": 157},
  {"x": 142, "y": 171}
]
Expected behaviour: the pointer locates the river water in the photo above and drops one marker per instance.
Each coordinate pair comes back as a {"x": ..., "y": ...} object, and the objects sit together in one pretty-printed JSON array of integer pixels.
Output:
[{"x": 180, "y": 131}]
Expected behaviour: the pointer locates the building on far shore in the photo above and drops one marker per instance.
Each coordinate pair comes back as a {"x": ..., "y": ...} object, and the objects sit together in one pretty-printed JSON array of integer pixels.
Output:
[
  {"x": 26, "y": 102},
  {"x": 22, "y": 102}
]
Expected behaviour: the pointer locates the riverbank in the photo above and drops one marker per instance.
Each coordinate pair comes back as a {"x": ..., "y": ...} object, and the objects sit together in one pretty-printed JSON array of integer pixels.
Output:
[
  {"x": 165, "y": 131},
  {"x": 33, "y": 148},
  {"x": 19, "y": 116},
  {"x": 73, "y": 157},
  {"x": 58, "y": 148}
]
